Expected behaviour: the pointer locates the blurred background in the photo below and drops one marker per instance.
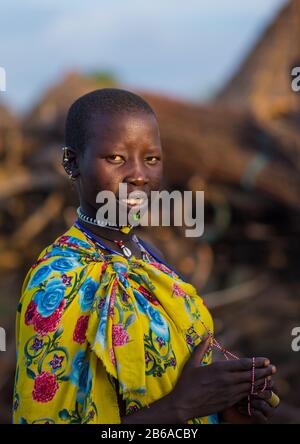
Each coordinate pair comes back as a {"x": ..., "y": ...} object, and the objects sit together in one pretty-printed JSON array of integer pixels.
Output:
[{"x": 218, "y": 75}]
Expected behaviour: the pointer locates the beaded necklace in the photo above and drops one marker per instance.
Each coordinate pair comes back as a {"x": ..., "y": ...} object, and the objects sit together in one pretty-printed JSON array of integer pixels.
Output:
[
  {"x": 124, "y": 250},
  {"x": 123, "y": 228}
]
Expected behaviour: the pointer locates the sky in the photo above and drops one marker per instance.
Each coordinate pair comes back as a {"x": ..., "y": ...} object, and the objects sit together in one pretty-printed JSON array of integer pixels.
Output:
[{"x": 186, "y": 49}]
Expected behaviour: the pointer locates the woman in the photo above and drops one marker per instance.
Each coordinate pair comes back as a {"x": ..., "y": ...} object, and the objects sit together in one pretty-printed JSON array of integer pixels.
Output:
[{"x": 106, "y": 331}]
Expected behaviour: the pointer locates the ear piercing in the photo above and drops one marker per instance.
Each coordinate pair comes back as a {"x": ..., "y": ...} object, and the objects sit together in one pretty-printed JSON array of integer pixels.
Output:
[{"x": 65, "y": 163}]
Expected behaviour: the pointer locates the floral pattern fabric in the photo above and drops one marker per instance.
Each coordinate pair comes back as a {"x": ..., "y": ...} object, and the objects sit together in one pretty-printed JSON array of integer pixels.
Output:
[{"x": 88, "y": 318}]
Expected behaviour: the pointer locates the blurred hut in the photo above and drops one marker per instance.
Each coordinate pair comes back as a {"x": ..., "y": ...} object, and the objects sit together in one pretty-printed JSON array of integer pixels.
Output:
[
  {"x": 263, "y": 81},
  {"x": 10, "y": 138}
]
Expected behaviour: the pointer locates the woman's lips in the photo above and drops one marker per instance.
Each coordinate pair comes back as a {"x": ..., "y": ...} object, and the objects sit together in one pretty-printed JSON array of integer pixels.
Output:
[
  {"x": 134, "y": 199},
  {"x": 133, "y": 202}
]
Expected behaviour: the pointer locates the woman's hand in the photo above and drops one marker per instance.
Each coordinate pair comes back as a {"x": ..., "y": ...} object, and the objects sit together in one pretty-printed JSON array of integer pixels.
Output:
[
  {"x": 204, "y": 390},
  {"x": 261, "y": 410}
]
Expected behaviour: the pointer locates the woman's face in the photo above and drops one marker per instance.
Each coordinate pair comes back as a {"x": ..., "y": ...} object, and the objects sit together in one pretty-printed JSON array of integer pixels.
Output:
[{"x": 123, "y": 148}]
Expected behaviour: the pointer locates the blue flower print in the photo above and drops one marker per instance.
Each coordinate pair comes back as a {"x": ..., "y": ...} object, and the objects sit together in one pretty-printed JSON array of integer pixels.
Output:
[
  {"x": 77, "y": 364},
  {"x": 213, "y": 419},
  {"x": 63, "y": 264},
  {"x": 81, "y": 376},
  {"x": 84, "y": 382},
  {"x": 39, "y": 276},
  {"x": 141, "y": 301},
  {"x": 120, "y": 267},
  {"x": 101, "y": 331},
  {"x": 158, "y": 324},
  {"x": 87, "y": 294},
  {"x": 79, "y": 242},
  {"x": 49, "y": 299},
  {"x": 57, "y": 251}
]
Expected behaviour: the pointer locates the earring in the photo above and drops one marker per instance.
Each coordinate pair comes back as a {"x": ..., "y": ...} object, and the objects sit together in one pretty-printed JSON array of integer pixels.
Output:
[
  {"x": 65, "y": 162},
  {"x": 65, "y": 154},
  {"x": 70, "y": 174}
]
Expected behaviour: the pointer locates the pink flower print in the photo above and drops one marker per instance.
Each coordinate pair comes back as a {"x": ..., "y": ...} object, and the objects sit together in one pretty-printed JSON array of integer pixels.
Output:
[
  {"x": 112, "y": 357},
  {"x": 43, "y": 259},
  {"x": 63, "y": 240},
  {"x": 45, "y": 387},
  {"x": 119, "y": 335},
  {"x": 103, "y": 267},
  {"x": 43, "y": 326},
  {"x": 112, "y": 301},
  {"x": 163, "y": 268},
  {"x": 149, "y": 296},
  {"x": 91, "y": 414},
  {"x": 177, "y": 291},
  {"x": 30, "y": 313},
  {"x": 79, "y": 334}
]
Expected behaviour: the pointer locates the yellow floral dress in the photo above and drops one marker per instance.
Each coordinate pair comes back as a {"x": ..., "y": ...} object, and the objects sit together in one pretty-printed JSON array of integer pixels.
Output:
[{"x": 88, "y": 319}]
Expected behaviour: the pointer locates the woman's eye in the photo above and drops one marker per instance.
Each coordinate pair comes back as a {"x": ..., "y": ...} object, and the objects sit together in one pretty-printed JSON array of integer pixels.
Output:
[
  {"x": 153, "y": 160},
  {"x": 115, "y": 158}
]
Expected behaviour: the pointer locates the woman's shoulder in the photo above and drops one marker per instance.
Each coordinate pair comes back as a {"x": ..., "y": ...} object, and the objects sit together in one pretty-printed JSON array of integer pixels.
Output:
[
  {"x": 70, "y": 243},
  {"x": 67, "y": 256}
]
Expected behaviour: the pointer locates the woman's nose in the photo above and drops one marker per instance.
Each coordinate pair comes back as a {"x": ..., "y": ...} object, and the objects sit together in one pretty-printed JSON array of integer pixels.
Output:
[
  {"x": 138, "y": 180},
  {"x": 137, "y": 175}
]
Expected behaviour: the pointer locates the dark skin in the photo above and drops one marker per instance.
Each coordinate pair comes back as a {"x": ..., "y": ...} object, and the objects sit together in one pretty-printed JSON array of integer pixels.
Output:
[
  {"x": 126, "y": 148},
  {"x": 123, "y": 149}
]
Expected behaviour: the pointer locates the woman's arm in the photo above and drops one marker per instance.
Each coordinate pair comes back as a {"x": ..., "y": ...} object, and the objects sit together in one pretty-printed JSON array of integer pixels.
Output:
[
  {"x": 203, "y": 390},
  {"x": 162, "y": 411}
]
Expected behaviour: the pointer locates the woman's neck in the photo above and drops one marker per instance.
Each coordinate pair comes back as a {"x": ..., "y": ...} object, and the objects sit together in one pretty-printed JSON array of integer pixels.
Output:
[
  {"x": 106, "y": 233},
  {"x": 100, "y": 231}
]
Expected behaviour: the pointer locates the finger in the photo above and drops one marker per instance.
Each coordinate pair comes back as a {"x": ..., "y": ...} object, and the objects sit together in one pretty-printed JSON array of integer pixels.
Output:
[
  {"x": 272, "y": 386},
  {"x": 259, "y": 374},
  {"x": 259, "y": 416},
  {"x": 241, "y": 399},
  {"x": 263, "y": 407},
  {"x": 264, "y": 395},
  {"x": 199, "y": 352},
  {"x": 245, "y": 388},
  {"x": 243, "y": 410},
  {"x": 274, "y": 400},
  {"x": 237, "y": 365}
]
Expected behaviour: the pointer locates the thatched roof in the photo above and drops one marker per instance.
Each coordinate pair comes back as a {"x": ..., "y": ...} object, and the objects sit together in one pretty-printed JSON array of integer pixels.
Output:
[
  {"x": 49, "y": 113},
  {"x": 221, "y": 145},
  {"x": 263, "y": 81},
  {"x": 10, "y": 140}
]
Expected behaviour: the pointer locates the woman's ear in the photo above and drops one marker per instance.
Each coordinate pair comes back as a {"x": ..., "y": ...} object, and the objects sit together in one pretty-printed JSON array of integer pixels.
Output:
[{"x": 69, "y": 162}]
